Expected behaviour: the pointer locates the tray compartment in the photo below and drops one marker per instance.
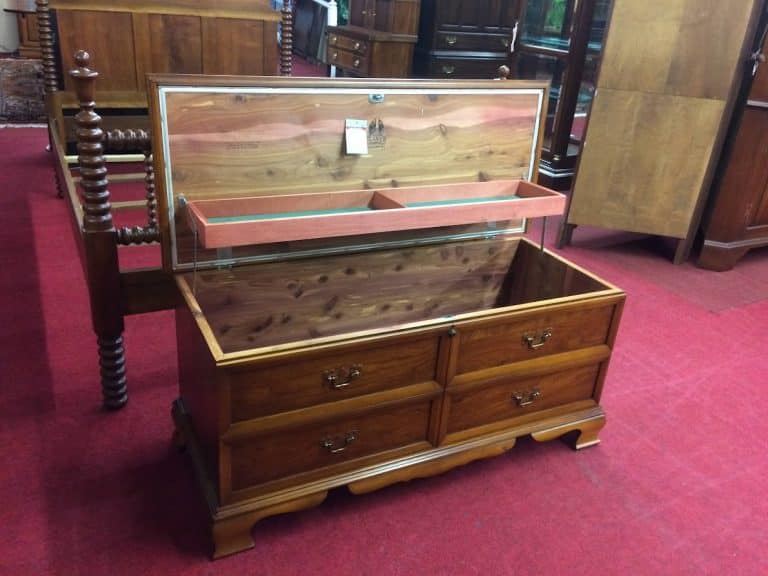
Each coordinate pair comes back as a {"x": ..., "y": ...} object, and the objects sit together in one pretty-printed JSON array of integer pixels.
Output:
[{"x": 233, "y": 222}]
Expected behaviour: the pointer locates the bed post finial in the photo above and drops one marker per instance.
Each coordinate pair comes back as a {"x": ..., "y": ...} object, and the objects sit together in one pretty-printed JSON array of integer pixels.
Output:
[
  {"x": 45, "y": 33},
  {"x": 286, "y": 39},
  {"x": 99, "y": 238}
]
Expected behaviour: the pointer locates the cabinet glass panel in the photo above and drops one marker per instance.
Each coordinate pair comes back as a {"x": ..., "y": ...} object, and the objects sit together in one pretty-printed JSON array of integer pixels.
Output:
[{"x": 548, "y": 23}]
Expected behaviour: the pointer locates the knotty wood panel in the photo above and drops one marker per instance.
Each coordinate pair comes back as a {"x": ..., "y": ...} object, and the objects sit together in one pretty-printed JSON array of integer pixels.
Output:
[
  {"x": 270, "y": 304},
  {"x": 644, "y": 162},
  {"x": 680, "y": 47},
  {"x": 229, "y": 145},
  {"x": 99, "y": 33},
  {"x": 247, "y": 47}
]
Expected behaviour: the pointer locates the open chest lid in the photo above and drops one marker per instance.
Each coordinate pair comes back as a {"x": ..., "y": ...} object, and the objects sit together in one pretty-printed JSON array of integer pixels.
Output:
[{"x": 251, "y": 169}]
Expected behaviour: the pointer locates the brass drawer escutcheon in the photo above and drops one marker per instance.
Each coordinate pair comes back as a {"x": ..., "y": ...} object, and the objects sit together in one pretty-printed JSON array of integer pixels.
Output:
[
  {"x": 526, "y": 398},
  {"x": 534, "y": 341},
  {"x": 336, "y": 446},
  {"x": 342, "y": 377}
]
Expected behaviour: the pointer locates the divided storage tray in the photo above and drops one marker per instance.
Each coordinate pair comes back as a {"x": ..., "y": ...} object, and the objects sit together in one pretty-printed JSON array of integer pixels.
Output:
[{"x": 358, "y": 319}]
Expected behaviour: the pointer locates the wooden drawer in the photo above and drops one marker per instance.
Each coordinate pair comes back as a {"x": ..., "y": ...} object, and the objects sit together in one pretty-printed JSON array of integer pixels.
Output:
[
  {"x": 513, "y": 398},
  {"x": 348, "y": 60},
  {"x": 464, "y": 67},
  {"x": 472, "y": 42},
  {"x": 331, "y": 376},
  {"x": 333, "y": 445},
  {"x": 528, "y": 336},
  {"x": 339, "y": 41}
]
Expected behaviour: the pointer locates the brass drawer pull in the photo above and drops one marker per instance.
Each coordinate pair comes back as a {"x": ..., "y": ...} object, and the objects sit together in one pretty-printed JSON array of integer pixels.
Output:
[
  {"x": 332, "y": 447},
  {"x": 526, "y": 398},
  {"x": 450, "y": 40},
  {"x": 356, "y": 62},
  {"x": 342, "y": 377},
  {"x": 335, "y": 56},
  {"x": 505, "y": 42},
  {"x": 334, "y": 39},
  {"x": 448, "y": 69},
  {"x": 537, "y": 340},
  {"x": 356, "y": 46}
]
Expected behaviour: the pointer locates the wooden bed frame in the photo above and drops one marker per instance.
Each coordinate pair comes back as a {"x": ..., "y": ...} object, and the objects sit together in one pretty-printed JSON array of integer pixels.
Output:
[{"x": 146, "y": 37}]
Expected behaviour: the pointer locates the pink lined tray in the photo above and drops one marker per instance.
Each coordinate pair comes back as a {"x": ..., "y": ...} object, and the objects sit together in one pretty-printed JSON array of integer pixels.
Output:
[{"x": 230, "y": 222}]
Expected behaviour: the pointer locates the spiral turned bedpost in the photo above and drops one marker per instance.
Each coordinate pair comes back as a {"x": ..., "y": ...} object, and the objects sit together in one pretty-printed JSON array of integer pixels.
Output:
[
  {"x": 99, "y": 239},
  {"x": 286, "y": 39},
  {"x": 45, "y": 33}
]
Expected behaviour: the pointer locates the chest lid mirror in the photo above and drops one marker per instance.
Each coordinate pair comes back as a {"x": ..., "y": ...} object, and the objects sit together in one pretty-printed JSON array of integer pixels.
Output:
[{"x": 263, "y": 168}]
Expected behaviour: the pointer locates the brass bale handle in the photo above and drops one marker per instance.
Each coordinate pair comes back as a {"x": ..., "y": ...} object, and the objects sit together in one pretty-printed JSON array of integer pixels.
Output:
[
  {"x": 342, "y": 377},
  {"x": 331, "y": 445},
  {"x": 450, "y": 40},
  {"x": 526, "y": 398},
  {"x": 534, "y": 341},
  {"x": 356, "y": 62},
  {"x": 448, "y": 69},
  {"x": 356, "y": 46}
]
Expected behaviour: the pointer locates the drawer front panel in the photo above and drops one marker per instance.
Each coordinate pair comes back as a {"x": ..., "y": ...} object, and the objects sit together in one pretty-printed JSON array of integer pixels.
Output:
[
  {"x": 530, "y": 336},
  {"x": 518, "y": 397},
  {"x": 359, "y": 47},
  {"x": 332, "y": 376},
  {"x": 263, "y": 458},
  {"x": 348, "y": 60},
  {"x": 472, "y": 42},
  {"x": 485, "y": 68}
]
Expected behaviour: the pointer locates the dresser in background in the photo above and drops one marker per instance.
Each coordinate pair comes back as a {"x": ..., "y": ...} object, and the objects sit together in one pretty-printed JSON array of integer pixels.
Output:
[
  {"x": 463, "y": 38},
  {"x": 378, "y": 40},
  {"x": 737, "y": 220}
]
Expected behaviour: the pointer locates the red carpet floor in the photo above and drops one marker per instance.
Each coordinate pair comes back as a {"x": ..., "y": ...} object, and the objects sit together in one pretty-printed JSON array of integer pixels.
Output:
[{"x": 677, "y": 485}]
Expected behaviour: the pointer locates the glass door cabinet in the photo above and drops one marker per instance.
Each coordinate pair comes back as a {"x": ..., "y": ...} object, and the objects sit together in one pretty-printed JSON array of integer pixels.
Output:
[{"x": 561, "y": 41}]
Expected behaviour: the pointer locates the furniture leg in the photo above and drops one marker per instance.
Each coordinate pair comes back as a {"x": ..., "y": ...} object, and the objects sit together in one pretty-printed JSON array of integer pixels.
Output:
[
  {"x": 565, "y": 235},
  {"x": 113, "y": 380},
  {"x": 99, "y": 240},
  {"x": 588, "y": 429}
]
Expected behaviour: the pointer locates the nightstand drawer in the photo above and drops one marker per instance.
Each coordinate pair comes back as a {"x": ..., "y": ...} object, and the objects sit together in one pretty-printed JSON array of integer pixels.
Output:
[
  {"x": 529, "y": 336},
  {"x": 331, "y": 376},
  {"x": 332, "y": 445},
  {"x": 348, "y": 60},
  {"x": 355, "y": 45},
  {"x": 514, "y": 398}
]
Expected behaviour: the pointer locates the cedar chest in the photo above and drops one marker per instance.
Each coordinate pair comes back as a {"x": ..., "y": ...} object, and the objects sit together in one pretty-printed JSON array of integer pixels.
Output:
[{"x": 359, "y": 307}]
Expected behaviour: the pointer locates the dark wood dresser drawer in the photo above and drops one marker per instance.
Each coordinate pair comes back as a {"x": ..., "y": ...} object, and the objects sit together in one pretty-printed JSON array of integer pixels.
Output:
[
  {"x": 528, "y": 336},
  {"x": 342, "y": 42},
  {"x": 348, "y": 60},
  {"x": 332, "y": 445},
  {"x": 456, "y": 67},
  {"x": 331, "y": 376},
  {"x": 472, "y": 42},
  {"x": 514, "y": 398}
]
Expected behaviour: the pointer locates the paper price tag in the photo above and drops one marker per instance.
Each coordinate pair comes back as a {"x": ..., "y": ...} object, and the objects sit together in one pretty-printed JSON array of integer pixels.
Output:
[{"x": 356, "y": 136}]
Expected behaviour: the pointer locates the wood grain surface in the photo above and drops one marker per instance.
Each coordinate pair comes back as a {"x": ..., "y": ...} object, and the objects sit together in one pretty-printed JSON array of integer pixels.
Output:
[
  {"x": 241, "y": 144},
  {"x": 644, "y": 163},
  {"x": 675, "y": 47},
  {"x": 270, "y": 304}
]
